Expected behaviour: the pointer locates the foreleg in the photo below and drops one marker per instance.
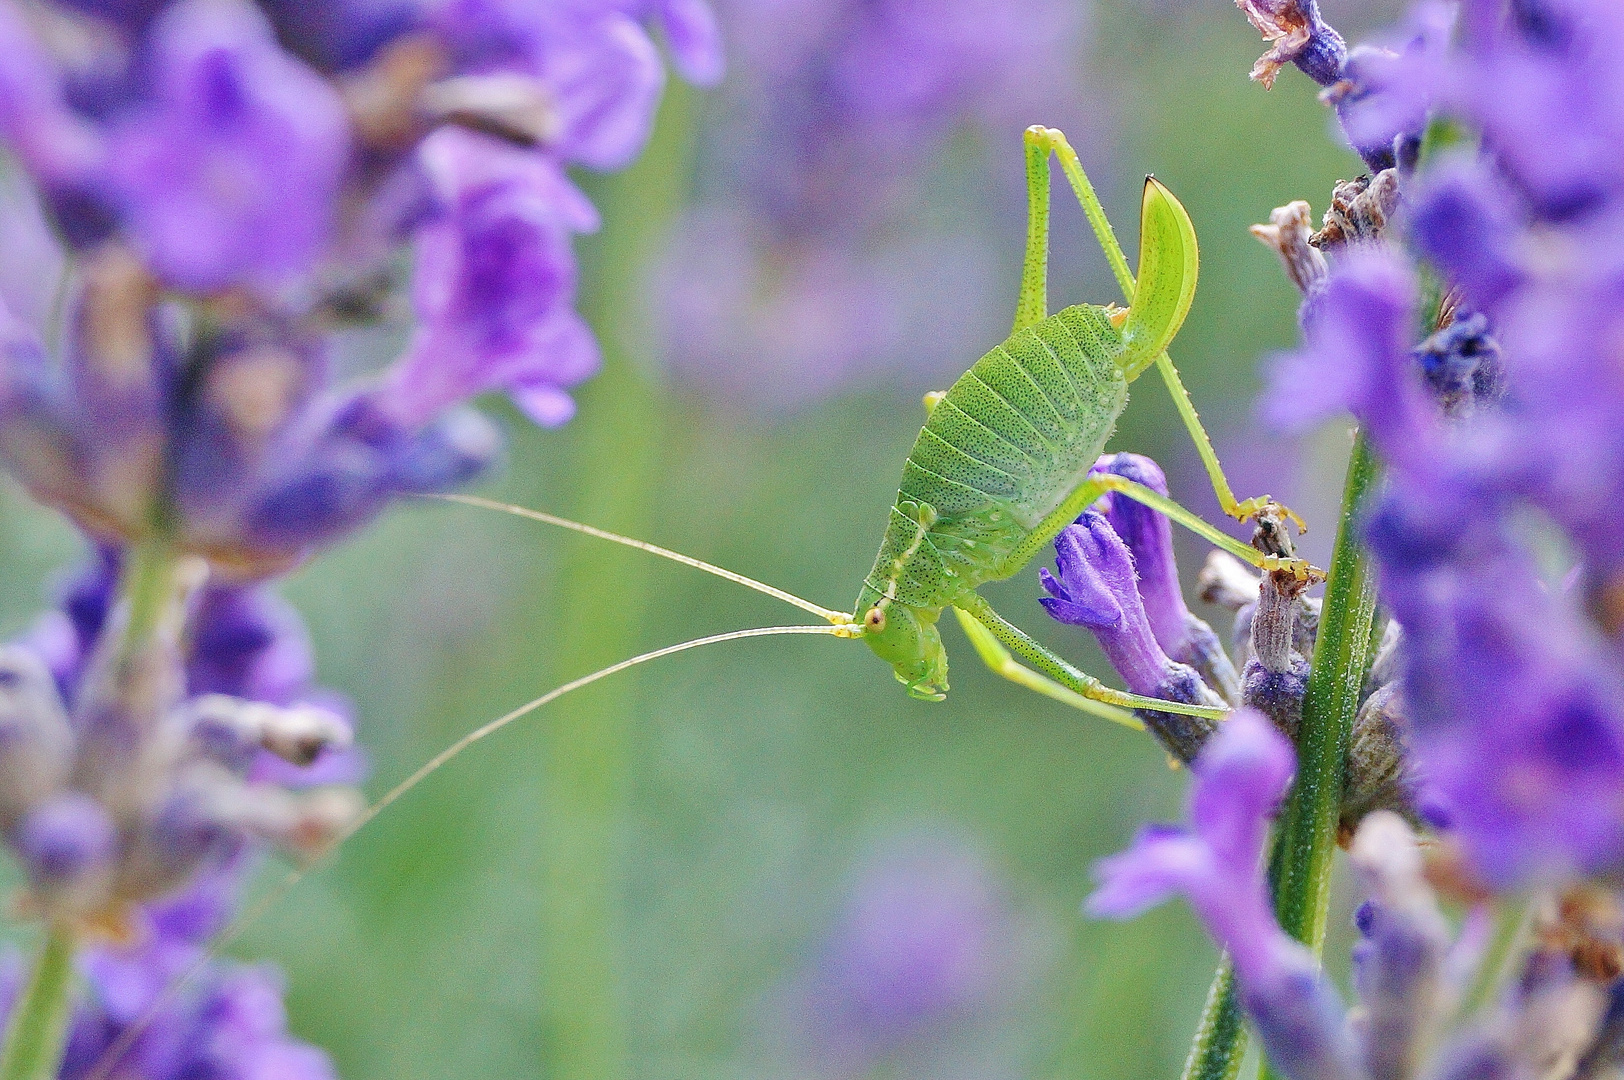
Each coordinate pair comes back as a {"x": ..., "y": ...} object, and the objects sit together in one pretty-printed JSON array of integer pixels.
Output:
[
  {"x": 1069, "y": 677},
  {"x": 1002, "y": 663}
]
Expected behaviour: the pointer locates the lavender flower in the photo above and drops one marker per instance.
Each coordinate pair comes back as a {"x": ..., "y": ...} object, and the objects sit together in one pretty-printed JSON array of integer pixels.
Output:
[
  {"x": 229, "y": 173},
  {"x": 1149, "y": 536},
  {"x": 494, "y": 284},
  {"x": 229, "y": 1022},
  {"x": 927, "y": 945},
  {"x": 1096, "y": 587},
  {"x": 1218, "y": 864}
]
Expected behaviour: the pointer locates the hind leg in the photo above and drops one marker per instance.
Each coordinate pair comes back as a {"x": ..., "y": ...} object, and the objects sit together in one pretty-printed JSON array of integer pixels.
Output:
[{"x": 1040, "y": 141}]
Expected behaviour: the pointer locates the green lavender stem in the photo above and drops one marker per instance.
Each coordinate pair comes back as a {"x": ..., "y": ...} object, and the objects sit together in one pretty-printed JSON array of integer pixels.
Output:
[
  {"x": 38, "y": 1031},
  {"x": 146, "y": 587},
  {"x": 601, "y": 618},
  {"x": 1306, "y": 840},
  {"x": 1300, "y": 868},
  {"x": 1220, "y": 1040}
]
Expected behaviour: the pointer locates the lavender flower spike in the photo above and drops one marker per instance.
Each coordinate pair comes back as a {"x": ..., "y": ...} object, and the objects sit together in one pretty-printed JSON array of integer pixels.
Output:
[
  {"x": 1097, "y": 588},
  {"x": 1217, "y": 863}
]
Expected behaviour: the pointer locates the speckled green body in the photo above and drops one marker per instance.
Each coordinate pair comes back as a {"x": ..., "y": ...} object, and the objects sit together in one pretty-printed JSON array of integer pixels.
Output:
[{"x": 1012, "y": 439}]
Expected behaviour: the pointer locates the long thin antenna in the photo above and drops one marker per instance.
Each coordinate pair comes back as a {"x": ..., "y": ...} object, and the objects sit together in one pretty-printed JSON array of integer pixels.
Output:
[
  {"x": 227, "y": 937},
  {"x": 838, "y": 618}
]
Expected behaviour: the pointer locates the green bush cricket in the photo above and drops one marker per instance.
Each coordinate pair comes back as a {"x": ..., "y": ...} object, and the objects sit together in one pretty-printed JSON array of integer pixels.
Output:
[
  {"x": 1000, "y": 467},
  {"x": 1002, "y": 463}
]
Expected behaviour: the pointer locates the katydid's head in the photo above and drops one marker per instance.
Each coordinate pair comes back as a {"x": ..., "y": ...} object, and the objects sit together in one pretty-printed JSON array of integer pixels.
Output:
[{"x": 907, "y": 639}]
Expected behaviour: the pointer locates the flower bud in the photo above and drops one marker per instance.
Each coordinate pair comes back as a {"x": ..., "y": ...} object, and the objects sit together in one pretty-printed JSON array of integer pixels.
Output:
[
  {"x": 1400, "y": 963},
  {"x": 230, "y": 730},
  {"x": 67, "y": 845},
  {"x": 36, "y": 743},
  {"x": 1379, "y": 774},
  {"x": 1097, "y": 588},
  {"x": 1149, "y": 537}
]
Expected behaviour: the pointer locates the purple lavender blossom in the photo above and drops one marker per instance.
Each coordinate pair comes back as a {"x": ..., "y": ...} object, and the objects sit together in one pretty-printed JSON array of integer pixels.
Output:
[
  {"x": 229, "y": 1022},
  {"x": 1359, "y": 331},
  {"x": 1095, "y": 586},
  {"x": 590, "y": 61},
  {"x": 927, "y": 945},
  {"x": 494, "y": 284},
  {"x": 1217, "y": 863},
  {"x": 230, "y": 172},
  {"x": 1149, "y": 537}
]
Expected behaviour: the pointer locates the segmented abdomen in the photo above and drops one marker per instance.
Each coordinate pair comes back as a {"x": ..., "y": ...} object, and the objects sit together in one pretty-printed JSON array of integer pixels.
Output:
[{"x": 1013, "y": 437}]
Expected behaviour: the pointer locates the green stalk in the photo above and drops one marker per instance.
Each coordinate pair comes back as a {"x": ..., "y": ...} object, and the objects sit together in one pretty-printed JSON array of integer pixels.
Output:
[
  {"x": 602, "y": 610},
  {"x": 146, "y": 587},
  {"x": 1306, "y": 839},
  {"x": 1305, "y": 842},
  {"x": 38, "y": 1031},
  {"x": 1220, "y": 1040}
]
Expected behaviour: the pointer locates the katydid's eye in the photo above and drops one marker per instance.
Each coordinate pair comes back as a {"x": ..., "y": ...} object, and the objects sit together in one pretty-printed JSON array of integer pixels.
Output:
[{"x": 874, "y": 621}]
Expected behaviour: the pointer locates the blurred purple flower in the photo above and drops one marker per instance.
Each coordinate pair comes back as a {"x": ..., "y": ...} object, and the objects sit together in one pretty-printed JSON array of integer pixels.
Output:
[
  {"x": 1518, "y": 709},
  {"x": 228, "y": 1022},
  {"x": 597, "y": 74},
  {"x": 230, "y": 171},
  {"x": 494, "y": 285},
  {"x": 927, "y": 943},
  {"x": 1507, "y": 405},
  {"x": 1359, "y": 329},
  {"x": 232, "y": 203},
  {"x": 339, "y": 35},
  {"x": 806, "y": 266}
]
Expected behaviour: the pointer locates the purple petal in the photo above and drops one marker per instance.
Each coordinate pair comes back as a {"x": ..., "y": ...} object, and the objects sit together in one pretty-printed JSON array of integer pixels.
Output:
[
  {"x": 1466, "y": 220},
  {"x": 1162, "y": 861},
  {"x": 230, "y": 174},
  {"x": 1359, "y": 329},
  {"x": 1240, "y": 777},
  {"x": 694, "y": 37}
]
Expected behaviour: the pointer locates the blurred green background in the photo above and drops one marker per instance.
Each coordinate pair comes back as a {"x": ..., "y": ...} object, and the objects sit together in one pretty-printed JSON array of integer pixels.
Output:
[{"x": 642, "y": 879}]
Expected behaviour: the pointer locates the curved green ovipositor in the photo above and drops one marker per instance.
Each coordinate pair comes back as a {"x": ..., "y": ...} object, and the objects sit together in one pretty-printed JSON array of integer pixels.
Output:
[{"x": 1168, "y": 265}]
